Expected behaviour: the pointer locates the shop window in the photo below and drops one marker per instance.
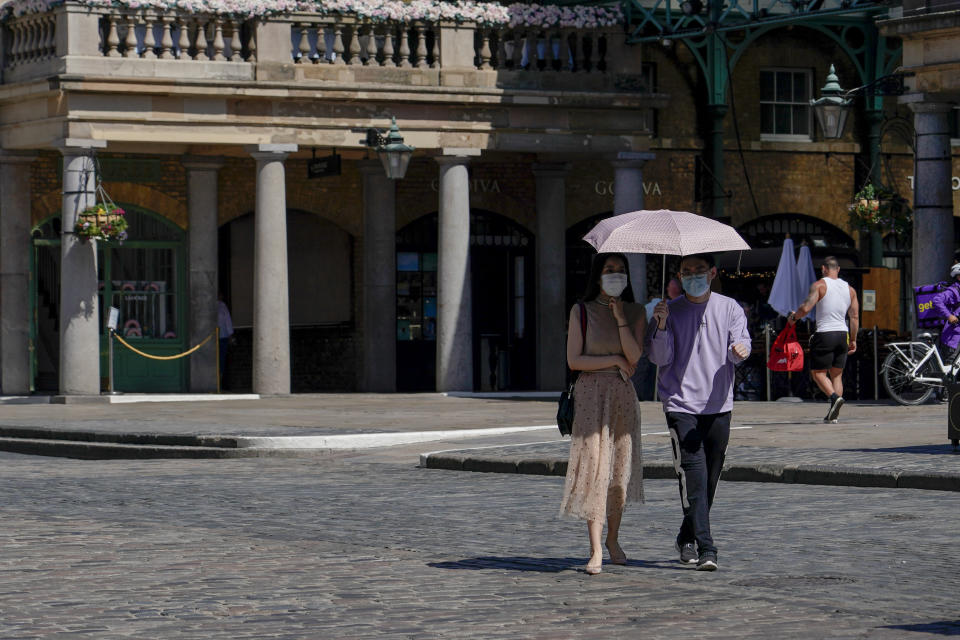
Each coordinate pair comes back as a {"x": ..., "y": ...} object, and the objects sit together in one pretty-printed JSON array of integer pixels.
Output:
[
  {"x": 143, "y": 288},
  {"x": 955, "y": 126},
  {"x": 785, "y": 104},
  {"x": 416, "y": 296}
]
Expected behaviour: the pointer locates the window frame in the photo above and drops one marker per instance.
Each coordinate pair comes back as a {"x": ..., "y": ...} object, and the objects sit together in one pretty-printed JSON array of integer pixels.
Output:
[{"x": 788, "y": 137}]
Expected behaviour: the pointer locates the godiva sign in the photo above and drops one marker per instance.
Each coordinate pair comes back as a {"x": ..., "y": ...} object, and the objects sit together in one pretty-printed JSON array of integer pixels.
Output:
[{"x": 605, "y": 188}]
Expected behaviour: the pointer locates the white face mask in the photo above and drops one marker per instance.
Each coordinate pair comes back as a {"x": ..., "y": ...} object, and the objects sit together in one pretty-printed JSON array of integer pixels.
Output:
[{"x": 613, "y": 283}]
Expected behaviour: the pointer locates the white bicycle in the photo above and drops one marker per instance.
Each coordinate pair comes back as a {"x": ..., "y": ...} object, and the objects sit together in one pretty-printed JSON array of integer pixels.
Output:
[{"x": 913, "y": 371}]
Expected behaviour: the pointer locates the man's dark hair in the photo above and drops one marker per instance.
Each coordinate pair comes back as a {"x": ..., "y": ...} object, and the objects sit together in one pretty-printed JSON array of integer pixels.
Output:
[
  {"x": 596, "y": 268},
  {"x": 831, "y": 263},
  {"x": 706, "y": 257}
]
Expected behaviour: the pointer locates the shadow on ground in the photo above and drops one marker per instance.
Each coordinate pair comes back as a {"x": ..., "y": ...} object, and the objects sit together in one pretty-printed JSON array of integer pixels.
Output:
[
  {"x": 942, "y": 628},
  {"x": 544, "y": 565},
  {"x": 924, "y": 449}
]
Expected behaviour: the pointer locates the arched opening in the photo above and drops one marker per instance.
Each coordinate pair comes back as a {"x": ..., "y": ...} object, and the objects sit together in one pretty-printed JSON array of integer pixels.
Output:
[
  {"x": 748, "y": 276},
  {"x": 502, "y": 284},
  {"x": 144, "y": 278},
  {"x": 321, "y": 302}
]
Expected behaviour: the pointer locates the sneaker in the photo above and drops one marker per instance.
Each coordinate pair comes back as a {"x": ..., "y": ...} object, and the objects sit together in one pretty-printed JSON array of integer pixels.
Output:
[
  {"x": 834, "y": 410},
  {"x": 688, "y": 552},
  {"x": 707, "y": 561}
]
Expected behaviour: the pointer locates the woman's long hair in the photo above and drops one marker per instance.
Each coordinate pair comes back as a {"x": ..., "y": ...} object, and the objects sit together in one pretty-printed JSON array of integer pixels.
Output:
[{"x": 593, "y": 282}]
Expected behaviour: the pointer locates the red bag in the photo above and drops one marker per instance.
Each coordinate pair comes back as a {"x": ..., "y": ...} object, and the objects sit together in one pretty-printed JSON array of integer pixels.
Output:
[{"x": 786, "y": 354}]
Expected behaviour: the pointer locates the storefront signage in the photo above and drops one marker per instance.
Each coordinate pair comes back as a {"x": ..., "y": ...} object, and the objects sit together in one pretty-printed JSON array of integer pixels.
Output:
[
  {"x": 605, "y": 188},
  {"x": 323, "y": 167},
  {"x": 955, "y": 183},
  {"x": 477, "y": 185}
]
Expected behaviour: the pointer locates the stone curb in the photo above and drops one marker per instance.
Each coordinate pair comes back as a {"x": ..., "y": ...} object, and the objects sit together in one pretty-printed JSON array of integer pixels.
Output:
[
  {"x": 115, "y": 451},
  {"x": 108, "y": 437},
  {"x": 787, "y": 474}
]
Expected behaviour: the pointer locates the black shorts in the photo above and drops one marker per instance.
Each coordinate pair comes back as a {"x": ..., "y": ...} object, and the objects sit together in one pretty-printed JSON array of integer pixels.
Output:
[{"x": 828, "y": 350}]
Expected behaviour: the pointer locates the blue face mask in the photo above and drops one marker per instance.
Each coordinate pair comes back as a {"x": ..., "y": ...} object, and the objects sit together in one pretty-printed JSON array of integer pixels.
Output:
[{"x": 696, "y": 285}]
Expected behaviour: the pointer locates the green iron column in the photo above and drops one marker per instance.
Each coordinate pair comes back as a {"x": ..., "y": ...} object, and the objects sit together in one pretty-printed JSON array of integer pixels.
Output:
[
  {"x": 716, "y": 111},
  {"x": 714, "y": 160},
  {"x": 874, "y": 118}
]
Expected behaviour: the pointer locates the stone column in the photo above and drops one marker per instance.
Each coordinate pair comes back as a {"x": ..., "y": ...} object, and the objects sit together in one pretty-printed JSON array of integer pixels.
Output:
[
  {"x": 932, "y": 195},
  {"x": 271, "y": 310},
  {"x": 79, "y": 316},
  {"x": 202, "y": 252},
  {"x": 15, "y": 273},
  {"x": 628, "y": 196},
  {"x": 551, "y": 275},
  {"x": 379, "y": 279},
  {"x": 454, "y": 296}
]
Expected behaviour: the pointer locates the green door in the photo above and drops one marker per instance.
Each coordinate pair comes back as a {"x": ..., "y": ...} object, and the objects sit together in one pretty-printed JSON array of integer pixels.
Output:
[{"x": 145, "y": 279}]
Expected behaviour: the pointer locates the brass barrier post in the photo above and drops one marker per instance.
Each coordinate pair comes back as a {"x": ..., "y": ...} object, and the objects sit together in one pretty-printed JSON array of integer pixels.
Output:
[{"x": 113, "y": 391}]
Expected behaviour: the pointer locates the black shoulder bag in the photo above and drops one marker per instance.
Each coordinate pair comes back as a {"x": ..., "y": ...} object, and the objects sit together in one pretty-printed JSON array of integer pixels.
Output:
[{"x": 565, "y": 408}]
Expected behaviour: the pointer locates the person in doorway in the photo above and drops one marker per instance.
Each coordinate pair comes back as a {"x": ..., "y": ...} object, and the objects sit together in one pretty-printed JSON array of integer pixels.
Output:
[
  {"x": 835, "y": 301},
  {"x": 947, "y": 303},
  {"x": 225, "y": 324},
  {"x": 696, "y": 341},
  {"x": 605, "y": 468}
]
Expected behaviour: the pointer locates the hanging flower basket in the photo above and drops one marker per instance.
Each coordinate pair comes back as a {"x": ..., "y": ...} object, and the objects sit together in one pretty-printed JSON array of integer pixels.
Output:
[
  {"x": 103, "y": 221},
  {"x": 876, "y": 208}
]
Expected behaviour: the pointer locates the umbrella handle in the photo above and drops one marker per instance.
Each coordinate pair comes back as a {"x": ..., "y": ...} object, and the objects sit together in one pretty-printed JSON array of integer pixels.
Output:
[{"x": 663, "y": 279}]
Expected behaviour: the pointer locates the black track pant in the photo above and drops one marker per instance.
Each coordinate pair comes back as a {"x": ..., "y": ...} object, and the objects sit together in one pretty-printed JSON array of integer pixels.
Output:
[{"x": 699, "y": 444}]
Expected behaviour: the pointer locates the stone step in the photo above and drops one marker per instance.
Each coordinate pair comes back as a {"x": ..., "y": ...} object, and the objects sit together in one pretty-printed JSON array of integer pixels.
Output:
[
  {"x": 113, "y": 450},
  {"x": 141, "y": 439}
]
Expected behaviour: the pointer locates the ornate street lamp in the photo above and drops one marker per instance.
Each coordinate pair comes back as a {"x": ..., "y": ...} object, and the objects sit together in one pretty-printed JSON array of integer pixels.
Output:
[
  {"x": 833, "y": 108},
  {"x": 394, "y": 155}
]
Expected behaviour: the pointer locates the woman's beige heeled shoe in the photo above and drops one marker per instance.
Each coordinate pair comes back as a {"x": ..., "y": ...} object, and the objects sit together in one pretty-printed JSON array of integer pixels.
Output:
[{"x": 617, "y": 556}]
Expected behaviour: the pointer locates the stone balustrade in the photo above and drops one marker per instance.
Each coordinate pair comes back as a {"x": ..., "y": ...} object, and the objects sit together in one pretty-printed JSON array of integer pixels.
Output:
[
  {"x": 32, "y": 38},
  {"x": 535, "y": 49},
  {"x": 169, "y": 35},
  {"x": 416, "y": 53},
  {"x": 344, "y": 40}
]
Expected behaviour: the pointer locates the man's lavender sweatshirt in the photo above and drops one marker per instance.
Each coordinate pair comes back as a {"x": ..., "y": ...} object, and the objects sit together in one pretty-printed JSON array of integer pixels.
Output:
[{"x": 694, "y": 356}]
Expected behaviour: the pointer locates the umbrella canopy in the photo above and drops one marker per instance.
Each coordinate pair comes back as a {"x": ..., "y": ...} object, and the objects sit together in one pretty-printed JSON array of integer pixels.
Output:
[
  {"x": 805, "y": 271},
  {"x": 666, "y": 232},
  {"x": 786, "y": 293}
]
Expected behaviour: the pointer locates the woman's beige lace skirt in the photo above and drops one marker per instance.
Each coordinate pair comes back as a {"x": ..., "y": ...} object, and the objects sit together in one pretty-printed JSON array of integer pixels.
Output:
[{"x": 605, "y": 470}]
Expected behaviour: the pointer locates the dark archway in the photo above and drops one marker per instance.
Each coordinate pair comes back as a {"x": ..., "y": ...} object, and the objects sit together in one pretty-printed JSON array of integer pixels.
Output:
[
  {"x": 321, "y": 302},
  {"x": 504, "y": 303}
]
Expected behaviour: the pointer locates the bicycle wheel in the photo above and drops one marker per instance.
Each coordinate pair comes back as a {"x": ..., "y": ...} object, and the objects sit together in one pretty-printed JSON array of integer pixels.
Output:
[{"x": 901, "y": 384}]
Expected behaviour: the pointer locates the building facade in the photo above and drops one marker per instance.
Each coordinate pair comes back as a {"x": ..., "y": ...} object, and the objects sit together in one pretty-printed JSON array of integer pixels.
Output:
[{"x": 458, "y": 276}]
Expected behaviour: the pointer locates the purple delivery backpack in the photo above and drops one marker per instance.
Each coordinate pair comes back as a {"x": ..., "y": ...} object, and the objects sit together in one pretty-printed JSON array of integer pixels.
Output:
[{"x": 927, "y": 316}]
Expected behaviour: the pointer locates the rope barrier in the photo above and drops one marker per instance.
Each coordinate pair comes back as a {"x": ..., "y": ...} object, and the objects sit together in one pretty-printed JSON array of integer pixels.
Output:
[{"x": 153, "y": 357}]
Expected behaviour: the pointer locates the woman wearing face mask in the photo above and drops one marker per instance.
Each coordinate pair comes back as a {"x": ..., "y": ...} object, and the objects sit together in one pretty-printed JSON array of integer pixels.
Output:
[{"x": 605, "y": 470}]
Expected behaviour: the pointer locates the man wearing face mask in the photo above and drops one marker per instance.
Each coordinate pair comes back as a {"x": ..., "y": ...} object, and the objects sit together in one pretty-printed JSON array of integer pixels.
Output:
[{"x": 696, "y": 341}]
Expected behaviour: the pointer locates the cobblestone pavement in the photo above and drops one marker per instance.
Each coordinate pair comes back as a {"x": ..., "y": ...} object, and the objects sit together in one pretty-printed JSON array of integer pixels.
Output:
[{"x": 365, "y": 546}]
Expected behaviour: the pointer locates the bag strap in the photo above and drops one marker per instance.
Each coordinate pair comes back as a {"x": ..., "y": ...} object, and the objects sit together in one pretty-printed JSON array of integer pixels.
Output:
[
  {"x": 583, "y": 326},
  {"x": 583, "y": 344}
]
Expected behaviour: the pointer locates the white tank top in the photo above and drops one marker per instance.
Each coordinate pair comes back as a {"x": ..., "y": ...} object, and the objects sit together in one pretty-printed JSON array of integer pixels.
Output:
[{"x": 832, "y": 307}]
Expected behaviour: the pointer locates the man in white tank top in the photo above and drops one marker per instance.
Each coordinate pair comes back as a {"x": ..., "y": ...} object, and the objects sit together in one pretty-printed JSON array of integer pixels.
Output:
[{"x": 836, "y": 301}]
